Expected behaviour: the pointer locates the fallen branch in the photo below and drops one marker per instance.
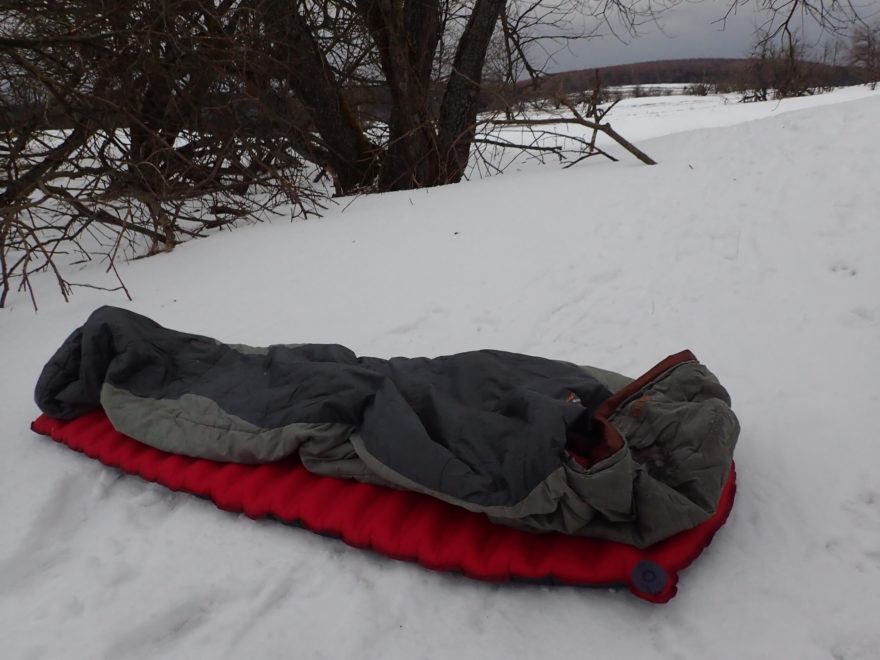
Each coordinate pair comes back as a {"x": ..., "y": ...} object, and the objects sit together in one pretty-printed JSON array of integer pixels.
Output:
[{"x": 578, "y": 120}]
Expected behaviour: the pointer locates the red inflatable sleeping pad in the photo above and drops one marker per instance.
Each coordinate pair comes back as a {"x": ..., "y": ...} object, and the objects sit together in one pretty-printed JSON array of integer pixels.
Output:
[{"x": 399, "y": 524}]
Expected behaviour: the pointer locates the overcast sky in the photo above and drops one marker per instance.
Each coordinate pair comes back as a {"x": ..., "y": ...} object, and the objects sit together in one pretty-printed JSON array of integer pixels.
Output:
[{"x": 687, "y": 31}]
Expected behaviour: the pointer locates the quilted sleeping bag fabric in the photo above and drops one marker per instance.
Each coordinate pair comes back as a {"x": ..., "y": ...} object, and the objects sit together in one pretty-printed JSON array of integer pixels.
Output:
[{"x": 533, "y": 443}]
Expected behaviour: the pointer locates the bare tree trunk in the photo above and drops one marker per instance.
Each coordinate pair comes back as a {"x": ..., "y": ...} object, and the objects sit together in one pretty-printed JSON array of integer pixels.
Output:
[
  {"x": 406, "y": 37},
  {"x": 458, "y": 114},
  {"x": 345, "y": 147}
]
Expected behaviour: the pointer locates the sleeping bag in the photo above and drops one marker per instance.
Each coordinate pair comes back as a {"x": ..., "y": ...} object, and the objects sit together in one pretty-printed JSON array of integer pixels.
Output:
[{"x": 537, "y": 444}]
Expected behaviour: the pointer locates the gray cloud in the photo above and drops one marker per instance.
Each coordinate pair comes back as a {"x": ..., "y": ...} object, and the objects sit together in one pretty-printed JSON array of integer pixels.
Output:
[{"x": 689, "y": 30}]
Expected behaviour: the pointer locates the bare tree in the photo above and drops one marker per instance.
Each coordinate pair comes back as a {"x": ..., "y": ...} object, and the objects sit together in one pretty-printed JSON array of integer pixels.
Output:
[
  {"x": 779, "y": 70},
  {"x": 782, "y": 21},
  {"x": 865, "y": 51},
  {"x": 135, "y": 123},
  {"x": 142, "y": 122}
]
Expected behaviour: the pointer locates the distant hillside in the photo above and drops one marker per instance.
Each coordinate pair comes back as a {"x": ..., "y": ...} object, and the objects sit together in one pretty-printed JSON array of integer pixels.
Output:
[{"x": 721, "y": 72}]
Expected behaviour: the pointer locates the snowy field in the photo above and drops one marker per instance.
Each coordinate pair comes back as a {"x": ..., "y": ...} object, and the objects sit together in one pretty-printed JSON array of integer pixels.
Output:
[{"x": 755, "y": 243}]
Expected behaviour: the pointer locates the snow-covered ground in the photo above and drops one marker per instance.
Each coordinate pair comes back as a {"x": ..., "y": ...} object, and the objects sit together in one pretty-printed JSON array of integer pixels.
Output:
[{"x": 754, "y": 243}]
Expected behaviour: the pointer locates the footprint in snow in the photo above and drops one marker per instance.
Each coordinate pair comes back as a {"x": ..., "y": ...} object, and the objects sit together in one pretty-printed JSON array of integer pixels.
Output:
[
  {"x": 158, "y": 631},
  {"x": 844, "y": 270},
  {"x": 864, "y": 509},
  {"x": 417, "y": 323},
  {"x": 867, "y": 315},
  {"x": 856, "y": 647},
  {"x": 865, "y": 505},
  {"x": 47, "y": 543}
]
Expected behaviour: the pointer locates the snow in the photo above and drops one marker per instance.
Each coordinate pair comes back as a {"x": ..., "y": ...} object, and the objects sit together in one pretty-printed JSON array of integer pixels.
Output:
[{"x": 754, "y": 242}]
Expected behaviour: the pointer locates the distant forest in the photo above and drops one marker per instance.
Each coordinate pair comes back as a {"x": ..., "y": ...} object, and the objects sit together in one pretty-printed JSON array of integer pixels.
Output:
[{"x": 725, "y": 74}]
